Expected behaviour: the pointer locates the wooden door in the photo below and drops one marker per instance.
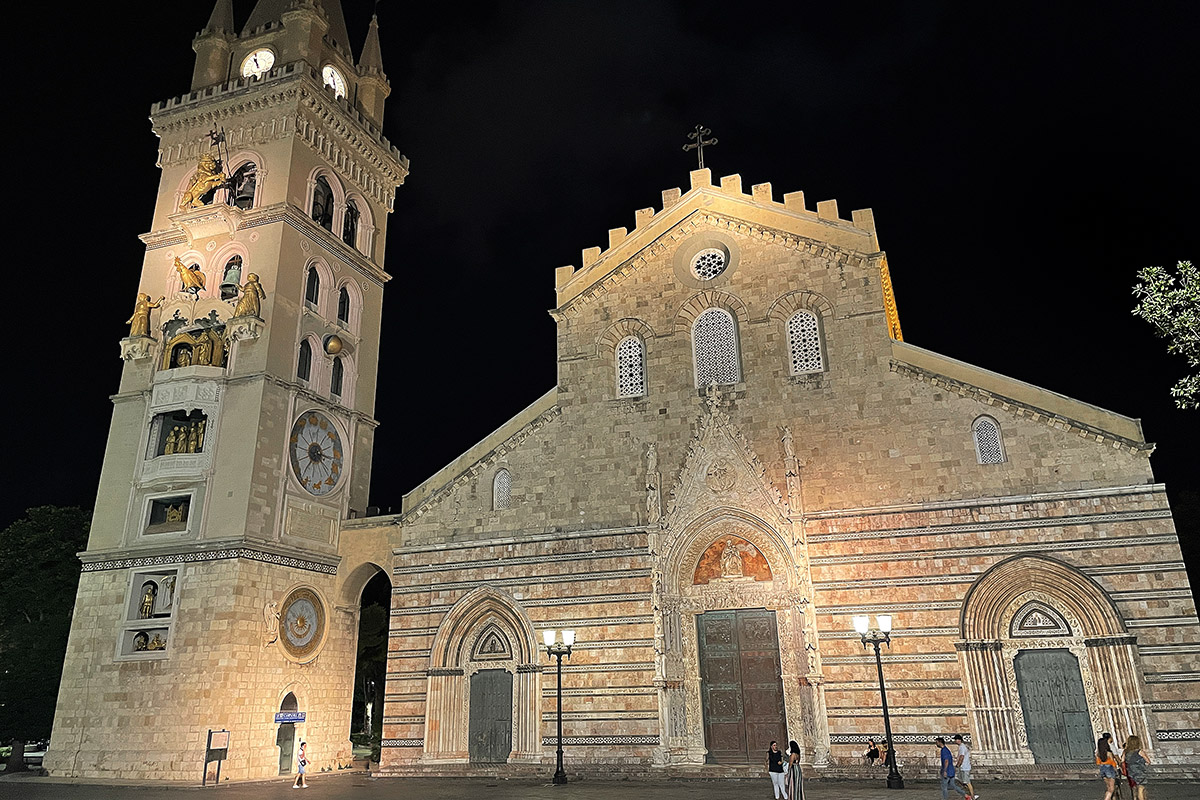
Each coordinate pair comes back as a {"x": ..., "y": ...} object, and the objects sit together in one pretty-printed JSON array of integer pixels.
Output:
[
  {"x": 740, "y": 685},
  {"x": 490, "y": 724},
  {"x": 285, "y": 739},
  {"x": 1057, "y": 724}
]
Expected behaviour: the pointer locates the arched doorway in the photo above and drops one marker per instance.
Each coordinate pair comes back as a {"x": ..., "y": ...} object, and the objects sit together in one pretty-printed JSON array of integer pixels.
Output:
[
  {"x": 285, "y": 736},
  {"x": 370, "y": 665},
  {"x": 1047, "y": 663}
]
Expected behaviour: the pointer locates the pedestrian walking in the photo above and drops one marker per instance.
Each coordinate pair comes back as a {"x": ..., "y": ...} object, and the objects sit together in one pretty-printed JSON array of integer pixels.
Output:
[
  {"x": 962, "y": 766},
  {"x": 946, "y": 769},
  {"x": 301, "y": 767},
  {"x": 795, "y": 778},
  {"x": 775, "y": 770},
  {"x": 1137, "y": 766},
  {"x": 1107, "y": 761}
]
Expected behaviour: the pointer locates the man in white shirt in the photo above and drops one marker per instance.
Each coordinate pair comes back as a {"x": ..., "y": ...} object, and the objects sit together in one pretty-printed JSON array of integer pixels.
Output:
[{"x": 963, "y": 766}]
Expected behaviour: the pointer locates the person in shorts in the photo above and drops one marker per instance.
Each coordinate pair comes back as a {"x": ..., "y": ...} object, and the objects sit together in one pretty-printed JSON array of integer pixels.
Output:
[
  {"x": 301, "y": 767},
  {"x": 1107, "y": 760},
  {"x": 962, "y": 766}
]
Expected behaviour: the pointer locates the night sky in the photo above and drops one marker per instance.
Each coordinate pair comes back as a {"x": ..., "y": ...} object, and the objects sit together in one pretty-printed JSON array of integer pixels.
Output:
[{"x": 1022, "y": 162}]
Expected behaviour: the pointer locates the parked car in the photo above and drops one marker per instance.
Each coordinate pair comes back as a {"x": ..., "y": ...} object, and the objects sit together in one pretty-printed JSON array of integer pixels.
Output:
[{"x": 35, "y": 752}]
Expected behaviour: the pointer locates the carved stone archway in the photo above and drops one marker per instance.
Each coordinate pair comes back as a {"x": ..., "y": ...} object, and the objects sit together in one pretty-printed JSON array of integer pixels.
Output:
[
  {"x": 1035, "y": 602},
  {"x": 486, "y": 629},
  {"x": 683, "y": 596}
]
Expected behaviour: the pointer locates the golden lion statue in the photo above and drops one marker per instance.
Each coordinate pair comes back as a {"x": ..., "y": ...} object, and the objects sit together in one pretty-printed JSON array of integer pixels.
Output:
[{"x": 207, "y": 178}]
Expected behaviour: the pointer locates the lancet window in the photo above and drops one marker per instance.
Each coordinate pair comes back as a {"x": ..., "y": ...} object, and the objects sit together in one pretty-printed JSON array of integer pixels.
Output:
[
  {"x": 350, "y": 224},
  {"x": 312, "y": 287},
  {"x": 989, "y": 445},
  {"x": 714, "y": 344},
  {"x": 804, "y": 343},
  {"x": 336, "y": 379},
  {"x": 631, "y": 367},
  {"x": 245, "y": 181},
  {"x": 343, "y": 309},
  {"x": 322, "y": 203},
  {"x": 304, "y": 361},
  {"x": 231, "y": 280},
  {"x": 501, "y": 490}
]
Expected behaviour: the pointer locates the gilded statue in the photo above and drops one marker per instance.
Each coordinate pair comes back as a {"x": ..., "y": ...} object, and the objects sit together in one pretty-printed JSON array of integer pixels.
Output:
[
  {"x": 169, "y": 445},
  {"x": 183, "y": 357},
  {"x": 146, "y": 609},
  {"x": 200, "y": 436},
  {"x": 208, "y": 177},
  {"x": 203, "y": 350},
  {"x": 191, "y": 277},
  {"x": 250, "y": 303},
  {"x": 140, "y": 642},
  {"x": 157, "y": 643},
  {"x": 139, "y": 323},
  {"x": 176, "y": 513},
  {"x": 192, "y": 440}
]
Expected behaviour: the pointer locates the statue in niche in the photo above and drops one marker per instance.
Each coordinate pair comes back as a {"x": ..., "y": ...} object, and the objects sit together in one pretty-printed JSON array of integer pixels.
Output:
[
  {"x": 271, "y": 623},
  {"x": 139, "y": 323},
  {"x": 177, "y": 513},
  {"x": 204, "y": 350},
  {"x": 787, "y": 444},
  {"x": 193, "y": 439},
  {"x": 200, "y": 436},
  {"x": 168, "y": 584},
  {"x": 250, "y": 303},
  {"x": 651, "y": 462},
  {"x": 208, "y": 177},
  {"x": 157, "y": 643},
  {"x": 191, "y": 277},
  {"x": 731, "y": 560},
  {"x": 183, "y": 357},
  {"x": 149, "y": 592},
  {"x": 169, "y": 446},
  {"x": 141, "y": 642}
]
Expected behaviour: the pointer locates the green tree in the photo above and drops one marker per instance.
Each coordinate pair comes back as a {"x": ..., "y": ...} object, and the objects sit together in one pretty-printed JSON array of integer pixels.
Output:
[
  {"x": 37, "y": 595},
  {"x": 1171, "y": 303}
]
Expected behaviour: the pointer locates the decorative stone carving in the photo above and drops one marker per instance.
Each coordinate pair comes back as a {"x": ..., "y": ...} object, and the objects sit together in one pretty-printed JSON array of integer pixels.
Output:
[
  {"x": 241, "y": 328},
  {"x": 135, "y": 348}
]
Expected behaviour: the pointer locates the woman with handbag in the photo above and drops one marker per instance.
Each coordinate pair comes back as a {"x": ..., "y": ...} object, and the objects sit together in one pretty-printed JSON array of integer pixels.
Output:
[
  {"x": 1137, "y": 766},
  {"x": 301, "y": 767}
]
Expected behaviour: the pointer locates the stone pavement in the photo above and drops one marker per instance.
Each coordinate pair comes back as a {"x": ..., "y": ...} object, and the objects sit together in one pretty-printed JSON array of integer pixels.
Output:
[{"x": 356, "y": 786}]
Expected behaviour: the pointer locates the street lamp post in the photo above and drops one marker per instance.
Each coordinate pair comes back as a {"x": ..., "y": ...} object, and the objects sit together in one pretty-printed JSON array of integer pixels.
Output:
[
  {"x": 878, "y": 636},
  {"x": 558, "y": 644}
]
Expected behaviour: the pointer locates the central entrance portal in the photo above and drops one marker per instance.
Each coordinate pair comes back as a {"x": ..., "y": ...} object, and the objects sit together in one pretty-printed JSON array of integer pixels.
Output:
[
  {"x": 490, "y": 725},
  {"x": 740, "y": 685}
]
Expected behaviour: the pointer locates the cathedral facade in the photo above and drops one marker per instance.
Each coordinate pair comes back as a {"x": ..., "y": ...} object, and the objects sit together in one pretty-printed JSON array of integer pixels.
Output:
[{"x": 741, "y": 455}]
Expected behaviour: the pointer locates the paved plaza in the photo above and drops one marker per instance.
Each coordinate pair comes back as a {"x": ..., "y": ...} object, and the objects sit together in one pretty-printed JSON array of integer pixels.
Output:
[{"x": 357, "y": 786}]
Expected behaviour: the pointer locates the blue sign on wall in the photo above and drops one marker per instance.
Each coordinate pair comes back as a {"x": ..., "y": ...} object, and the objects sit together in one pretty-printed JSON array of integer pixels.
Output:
[{"x": 289, "y": 716}]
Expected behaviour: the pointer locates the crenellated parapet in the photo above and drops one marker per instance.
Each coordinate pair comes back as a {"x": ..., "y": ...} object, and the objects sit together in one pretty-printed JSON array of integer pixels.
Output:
[{"x": 787, "y": 218}]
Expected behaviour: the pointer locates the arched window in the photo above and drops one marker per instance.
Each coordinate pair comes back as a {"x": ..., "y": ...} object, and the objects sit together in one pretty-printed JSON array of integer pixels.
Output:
[
  {"x": 322, "y": 204},
  {"x": 343, "y": 314},
  {"x": 804, "y": 343},
  {"x": 245, "y": 181},
  {"x": 989, "y": 446},
  {"x": 350, "y": 224},
  {"x": 312, "y": 288},
  {"x": 501, "y": 490},
  {"x": 231, "y": 280},
  {"x": 335, "y": 381},
  {"x": 631, "y": 367},
  {"x": 714, "y": 344},
  {"x": 304, "y": 362}
]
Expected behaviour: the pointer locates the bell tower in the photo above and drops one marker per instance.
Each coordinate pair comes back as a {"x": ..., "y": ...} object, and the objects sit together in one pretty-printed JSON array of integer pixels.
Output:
[{"x": 212, "y": 594}]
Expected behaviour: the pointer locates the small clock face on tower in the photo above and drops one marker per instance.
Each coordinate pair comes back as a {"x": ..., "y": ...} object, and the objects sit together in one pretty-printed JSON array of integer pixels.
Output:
[
  {"x": 302, "y": 623},
  {"x": 258, "y": 63},
  {"x": 334, "y": 79},
  {"x": 316, "y": 453}
]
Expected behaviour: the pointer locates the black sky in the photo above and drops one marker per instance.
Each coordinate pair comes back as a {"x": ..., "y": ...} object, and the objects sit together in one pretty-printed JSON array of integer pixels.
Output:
[{"x": 1023, "y": 162}]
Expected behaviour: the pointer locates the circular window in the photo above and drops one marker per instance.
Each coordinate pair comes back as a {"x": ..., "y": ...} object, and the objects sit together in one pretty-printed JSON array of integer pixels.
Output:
[{"x": 709, "y": 263}]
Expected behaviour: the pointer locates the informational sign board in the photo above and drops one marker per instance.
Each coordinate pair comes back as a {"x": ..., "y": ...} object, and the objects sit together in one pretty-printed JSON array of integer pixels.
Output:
[
  {"x": 216, "y": 749},
  {"x": 289, "y": 716}
]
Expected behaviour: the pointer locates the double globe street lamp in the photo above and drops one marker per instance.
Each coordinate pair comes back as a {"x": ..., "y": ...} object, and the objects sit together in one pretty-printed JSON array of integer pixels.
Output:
[
  {"x": 558, "y": 644},
  {"x": 877, "y": 636}
]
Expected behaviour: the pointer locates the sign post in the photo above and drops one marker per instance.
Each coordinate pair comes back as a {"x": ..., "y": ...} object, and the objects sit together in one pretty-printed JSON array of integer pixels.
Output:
[
  {"x": 289, "y": 716},
  {"x": 217, "y": 749}
]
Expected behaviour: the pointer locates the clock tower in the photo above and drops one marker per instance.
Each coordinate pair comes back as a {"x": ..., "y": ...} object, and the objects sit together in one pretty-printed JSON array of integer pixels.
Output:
[{"x": 217, "y": 593}]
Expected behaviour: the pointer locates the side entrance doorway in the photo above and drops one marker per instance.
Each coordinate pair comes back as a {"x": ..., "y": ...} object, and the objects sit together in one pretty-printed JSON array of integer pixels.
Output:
[
  {"x": 1054, "y": 705},
  {"x": 285, "y": 737},
  {"x": 490, "y": 724},
  {"x": 741, "y": 685}
]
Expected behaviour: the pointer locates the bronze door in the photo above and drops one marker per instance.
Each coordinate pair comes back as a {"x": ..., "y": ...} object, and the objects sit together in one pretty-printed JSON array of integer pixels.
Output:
[
  {"x": 1057, "y": 724},
  {"x": 490, "y": 724},
  {"x": 740, "y": 685}
]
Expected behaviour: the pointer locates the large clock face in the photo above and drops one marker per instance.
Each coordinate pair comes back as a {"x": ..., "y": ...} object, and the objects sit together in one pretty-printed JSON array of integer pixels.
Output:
[
  {"x": 258, "y": 63},
  {"x": 302, "y": 623},
  {"x": 316, "y": 453},
  {"x": 334, "y": 79}
]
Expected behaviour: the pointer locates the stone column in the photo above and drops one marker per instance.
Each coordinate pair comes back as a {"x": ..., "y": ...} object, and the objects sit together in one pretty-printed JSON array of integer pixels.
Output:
[
  {"x": 991, "y": 705},
  {"x": 527, "y": 714},
  {"x": 1112, "y": 661}
]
